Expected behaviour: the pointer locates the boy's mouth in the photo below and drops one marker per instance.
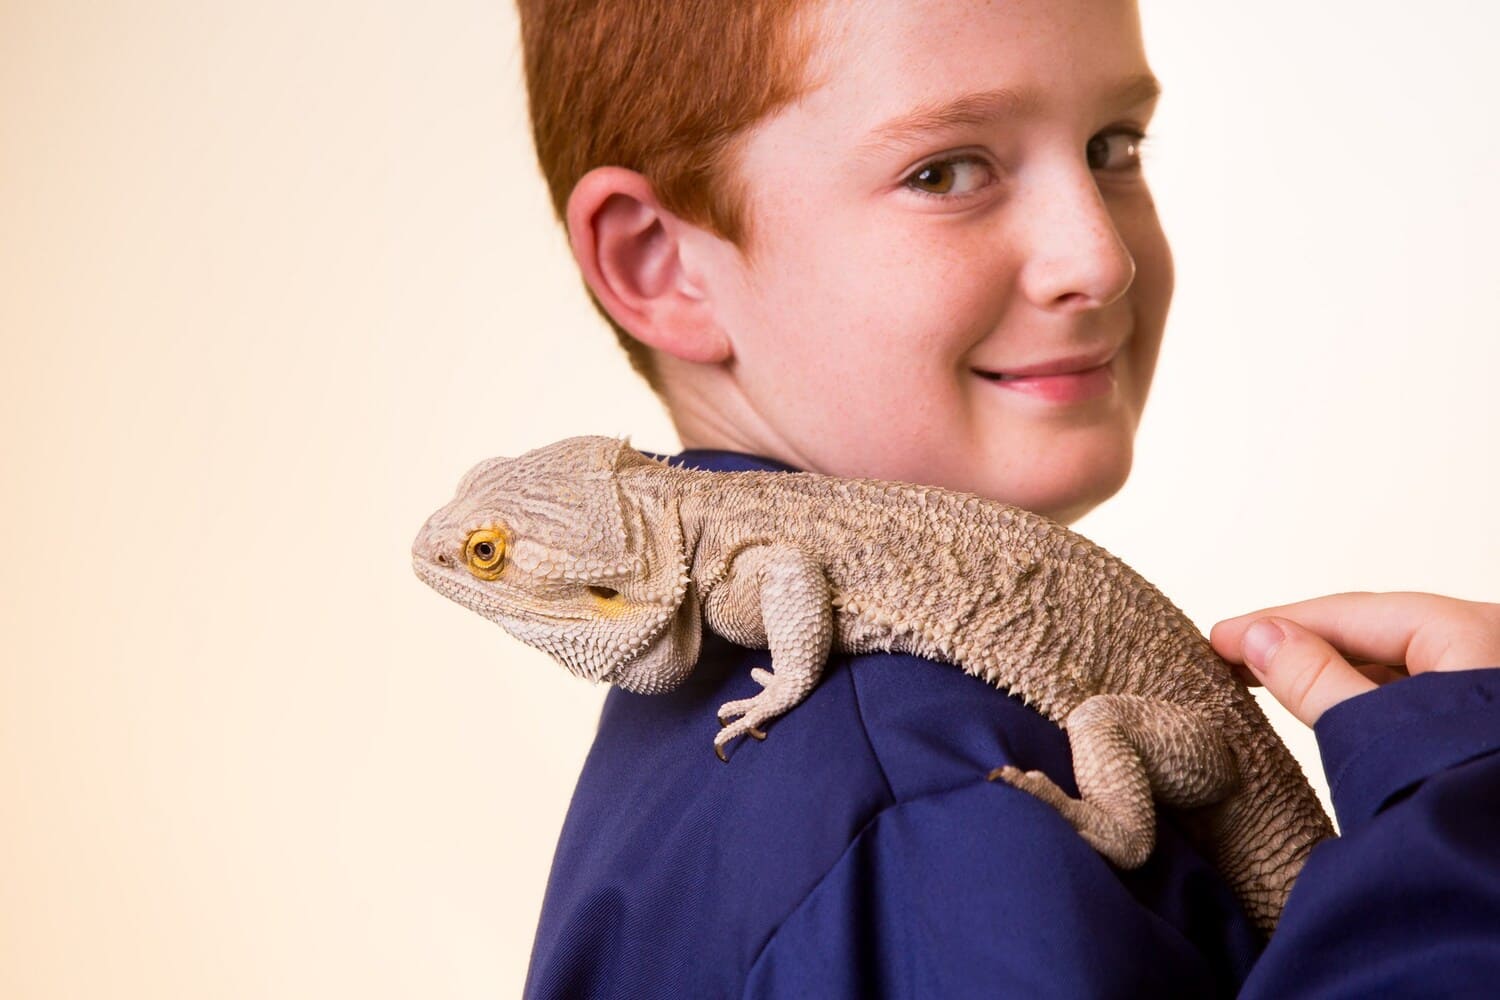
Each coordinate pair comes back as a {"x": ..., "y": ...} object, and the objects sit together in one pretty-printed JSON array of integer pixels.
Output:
[
  {"x": 1075, "y": 365},
  {"x": 1065, "y": 380}
]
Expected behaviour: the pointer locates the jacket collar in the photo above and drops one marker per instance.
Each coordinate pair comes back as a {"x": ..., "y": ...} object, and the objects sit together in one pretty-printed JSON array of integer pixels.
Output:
[{"x": 715, "y": 460}]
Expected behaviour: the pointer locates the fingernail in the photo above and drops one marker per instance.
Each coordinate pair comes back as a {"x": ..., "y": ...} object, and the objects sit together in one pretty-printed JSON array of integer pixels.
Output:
[{"x": 1261, "y": 642}]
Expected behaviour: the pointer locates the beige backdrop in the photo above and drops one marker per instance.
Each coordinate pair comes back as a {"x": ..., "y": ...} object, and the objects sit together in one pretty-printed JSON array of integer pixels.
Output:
[{"x": 272, "y": 275}]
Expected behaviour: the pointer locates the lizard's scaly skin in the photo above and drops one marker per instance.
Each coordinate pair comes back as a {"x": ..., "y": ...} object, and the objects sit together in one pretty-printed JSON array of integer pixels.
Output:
[{"x": 613, "y": 561}]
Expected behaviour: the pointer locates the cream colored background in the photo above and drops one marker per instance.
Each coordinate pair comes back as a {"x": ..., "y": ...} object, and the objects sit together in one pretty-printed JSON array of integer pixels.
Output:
[{"x": 273, "y": 275}]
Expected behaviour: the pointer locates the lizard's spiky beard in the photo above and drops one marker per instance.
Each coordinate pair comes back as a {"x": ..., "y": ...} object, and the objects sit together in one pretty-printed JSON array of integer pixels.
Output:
[
  {"x": 670, "y": 657},
  {"x": 653, "y": 652}
]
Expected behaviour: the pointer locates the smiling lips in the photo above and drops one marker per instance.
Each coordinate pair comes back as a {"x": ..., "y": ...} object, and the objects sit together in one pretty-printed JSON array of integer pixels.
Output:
[{"x": 1066, "y": 380}]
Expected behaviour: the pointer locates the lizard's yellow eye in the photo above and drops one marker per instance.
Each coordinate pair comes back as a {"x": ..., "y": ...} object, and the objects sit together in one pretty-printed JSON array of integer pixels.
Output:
[{"x": 484, "y": 552}]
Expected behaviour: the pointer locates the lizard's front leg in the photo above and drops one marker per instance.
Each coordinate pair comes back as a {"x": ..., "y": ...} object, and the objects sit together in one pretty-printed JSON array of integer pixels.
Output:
[{"x": 780, "y": 593}]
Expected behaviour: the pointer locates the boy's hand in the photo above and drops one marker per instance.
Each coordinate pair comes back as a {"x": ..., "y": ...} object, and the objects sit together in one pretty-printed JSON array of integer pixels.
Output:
[{"x": 1313, "y": 654}]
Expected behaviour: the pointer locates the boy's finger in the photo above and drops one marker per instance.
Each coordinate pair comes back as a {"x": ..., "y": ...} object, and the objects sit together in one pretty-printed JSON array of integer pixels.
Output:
[
  {"x": 1376, "y": 628},
  {"x": 1300, "y": 668},
  {"x": 1379, "y": 672},
  {"x": 1244, "y": 675}
]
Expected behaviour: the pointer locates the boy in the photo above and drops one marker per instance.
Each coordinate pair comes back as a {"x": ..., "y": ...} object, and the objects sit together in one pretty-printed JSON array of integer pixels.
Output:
[{"x": 912, "y": 241}]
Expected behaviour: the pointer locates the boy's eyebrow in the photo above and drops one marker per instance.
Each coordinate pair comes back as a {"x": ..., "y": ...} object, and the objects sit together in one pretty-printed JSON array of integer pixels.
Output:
[{"x": 986, "y": 106}]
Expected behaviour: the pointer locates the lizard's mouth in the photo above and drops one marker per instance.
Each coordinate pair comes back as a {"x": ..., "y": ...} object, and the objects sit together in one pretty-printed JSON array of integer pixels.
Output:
[
  {"x": 658, "y": 662},
  {"x": 451, "y": 586},
  {"x": 456, "y": 586},
  {"x": 654, "y": 650}
]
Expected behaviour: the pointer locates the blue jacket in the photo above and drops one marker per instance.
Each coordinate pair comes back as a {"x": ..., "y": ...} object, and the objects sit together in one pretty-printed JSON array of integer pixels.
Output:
[{"x": 860, "y": 852}]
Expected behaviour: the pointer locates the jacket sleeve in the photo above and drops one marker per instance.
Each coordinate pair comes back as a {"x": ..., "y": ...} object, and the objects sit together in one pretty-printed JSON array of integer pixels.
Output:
[
  {"x": 982, "y": 891},
  {"x": 1406, "y": 902}
]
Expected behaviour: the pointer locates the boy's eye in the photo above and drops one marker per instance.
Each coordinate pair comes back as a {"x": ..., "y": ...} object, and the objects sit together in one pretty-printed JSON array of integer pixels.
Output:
[
  {"x": 954, "y": 177},
  {"x": 1117, "y": 151}
]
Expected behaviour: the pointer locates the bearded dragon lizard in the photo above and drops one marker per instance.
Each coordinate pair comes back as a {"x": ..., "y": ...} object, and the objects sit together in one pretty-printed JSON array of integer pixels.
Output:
[{"x": 611, "y": 562}]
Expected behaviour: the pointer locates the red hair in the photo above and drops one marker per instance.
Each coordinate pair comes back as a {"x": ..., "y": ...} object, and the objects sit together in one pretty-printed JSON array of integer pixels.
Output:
[{"x": 661, "y": 87}]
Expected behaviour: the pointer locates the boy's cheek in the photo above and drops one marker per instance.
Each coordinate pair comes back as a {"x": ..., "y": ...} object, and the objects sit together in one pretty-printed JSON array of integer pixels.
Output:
[{"x": 1141, "y": 229}]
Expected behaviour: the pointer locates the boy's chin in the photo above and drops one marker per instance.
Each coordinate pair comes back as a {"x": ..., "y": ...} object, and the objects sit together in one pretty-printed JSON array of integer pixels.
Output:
[
  {"x": 1064, "y": 492},
  {"x": 1070, "y": 512}
]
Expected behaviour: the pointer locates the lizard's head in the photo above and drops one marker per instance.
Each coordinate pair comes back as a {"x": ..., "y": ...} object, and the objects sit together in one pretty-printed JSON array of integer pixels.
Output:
[{"x": 554, "y": 547}]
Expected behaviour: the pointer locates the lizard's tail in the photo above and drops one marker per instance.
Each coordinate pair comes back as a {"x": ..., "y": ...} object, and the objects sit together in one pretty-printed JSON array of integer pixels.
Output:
[{"x": 1261, "y": 836}]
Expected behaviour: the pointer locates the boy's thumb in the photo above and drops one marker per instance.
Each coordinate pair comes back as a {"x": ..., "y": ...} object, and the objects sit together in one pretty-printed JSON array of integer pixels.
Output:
[{"x": 1300, "y": 668}]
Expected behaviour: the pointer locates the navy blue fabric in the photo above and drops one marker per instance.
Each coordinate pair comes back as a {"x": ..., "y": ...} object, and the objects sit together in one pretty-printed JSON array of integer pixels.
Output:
[
  {"x": 1406, "y": 902},
  {"x": 860, "y": 852}
]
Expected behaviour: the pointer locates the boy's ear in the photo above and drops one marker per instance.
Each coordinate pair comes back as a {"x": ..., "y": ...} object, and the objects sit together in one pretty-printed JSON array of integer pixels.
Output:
[{"x": 629, "y": 249}]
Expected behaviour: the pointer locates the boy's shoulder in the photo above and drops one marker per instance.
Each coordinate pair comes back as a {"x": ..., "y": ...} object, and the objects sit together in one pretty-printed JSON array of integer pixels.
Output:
[{"x": 864, "y": 816}]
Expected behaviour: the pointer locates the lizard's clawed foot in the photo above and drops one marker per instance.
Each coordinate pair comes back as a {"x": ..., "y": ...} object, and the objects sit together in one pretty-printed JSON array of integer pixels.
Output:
[
  {"x": 774, "y": 699},
  {"x": 1036, "y": 783},
  {"x": 752, "y": 731},
  {"x": 1126, "y": 843}
]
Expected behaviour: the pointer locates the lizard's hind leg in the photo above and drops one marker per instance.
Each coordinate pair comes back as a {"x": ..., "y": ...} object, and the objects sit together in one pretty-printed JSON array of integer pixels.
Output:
[{"x": 1125, "y": 747}]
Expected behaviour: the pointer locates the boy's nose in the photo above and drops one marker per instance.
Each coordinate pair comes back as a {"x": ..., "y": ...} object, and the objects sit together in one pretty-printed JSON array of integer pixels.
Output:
[{"x": 1077, "y": 258}]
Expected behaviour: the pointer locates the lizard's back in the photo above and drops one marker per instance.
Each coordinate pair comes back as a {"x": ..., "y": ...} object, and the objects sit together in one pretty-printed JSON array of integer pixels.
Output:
[{"x": 1030, "y": 606}]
